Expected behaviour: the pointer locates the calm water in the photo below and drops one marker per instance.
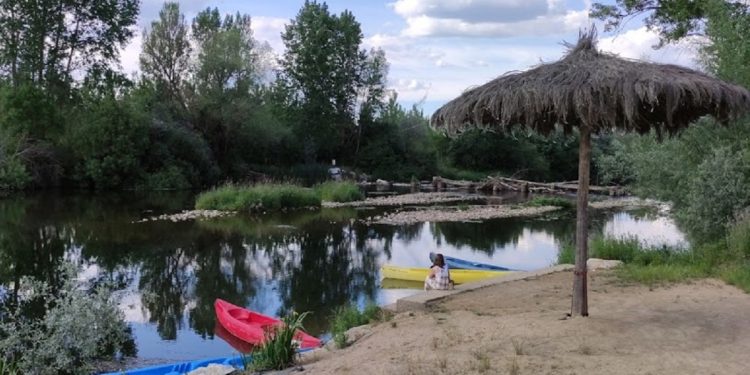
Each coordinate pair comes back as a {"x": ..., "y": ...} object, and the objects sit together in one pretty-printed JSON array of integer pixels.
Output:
[{"x": 171, "y": 272}]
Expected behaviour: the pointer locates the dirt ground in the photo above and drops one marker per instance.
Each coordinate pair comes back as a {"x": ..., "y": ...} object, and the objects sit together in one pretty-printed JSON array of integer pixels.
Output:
[{"x": 701, "y": 327}]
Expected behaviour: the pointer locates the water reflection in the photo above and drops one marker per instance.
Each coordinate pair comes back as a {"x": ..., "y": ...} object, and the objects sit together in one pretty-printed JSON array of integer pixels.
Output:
[{"x": 171, "y": 272}]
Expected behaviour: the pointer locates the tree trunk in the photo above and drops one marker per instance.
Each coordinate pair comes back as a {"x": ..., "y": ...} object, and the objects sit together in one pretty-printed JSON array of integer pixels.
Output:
[{"x": 580, "y": 291}]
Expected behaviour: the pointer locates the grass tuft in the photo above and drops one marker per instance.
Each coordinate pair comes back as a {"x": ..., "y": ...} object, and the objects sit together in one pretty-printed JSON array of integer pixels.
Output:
[
  {"x": 550, "y": 201},
  {"x": 338, "y": 191},
  {"x": 567, "y": 254},
  {"x": 348, "y": 316},
  {"x": 279, "y": 349},
  {"x": 256, "y": 198}
]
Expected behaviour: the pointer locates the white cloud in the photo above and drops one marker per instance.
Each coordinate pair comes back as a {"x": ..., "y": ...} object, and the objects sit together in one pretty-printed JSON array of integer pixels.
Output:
[
  {"x": 269, "y": 29},
  {"x": 129, "y": 56},
  {"x": 473, "y": 10},
  {"x": 488, "y": 18},
  {"x": 639, "y": 43}
]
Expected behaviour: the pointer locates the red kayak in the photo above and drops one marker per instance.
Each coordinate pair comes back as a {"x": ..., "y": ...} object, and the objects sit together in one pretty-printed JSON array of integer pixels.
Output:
[{"x": 250, "y": 326}]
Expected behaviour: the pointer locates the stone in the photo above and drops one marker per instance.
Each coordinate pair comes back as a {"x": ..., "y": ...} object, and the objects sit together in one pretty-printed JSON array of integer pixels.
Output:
[{"x": 594, "y": 264}]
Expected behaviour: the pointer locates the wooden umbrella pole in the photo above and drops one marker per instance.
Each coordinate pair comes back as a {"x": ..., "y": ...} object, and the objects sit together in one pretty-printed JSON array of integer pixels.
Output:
[{"x": 580, "y": 291}]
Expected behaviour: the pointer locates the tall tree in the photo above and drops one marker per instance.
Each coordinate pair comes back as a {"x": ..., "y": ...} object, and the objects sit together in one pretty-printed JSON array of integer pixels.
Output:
[
  {"x": 322, "y": 68},
  {"x": 165, "y": 58},
  {"x": 225, "y": 81},
  {"x": 45, "y": 41}
]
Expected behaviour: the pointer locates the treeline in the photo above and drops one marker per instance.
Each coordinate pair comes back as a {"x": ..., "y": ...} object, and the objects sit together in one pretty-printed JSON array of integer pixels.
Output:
[{"x": 212, "y": 103}]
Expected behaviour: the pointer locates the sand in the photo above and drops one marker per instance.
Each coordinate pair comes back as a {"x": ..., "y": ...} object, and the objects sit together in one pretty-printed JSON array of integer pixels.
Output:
[{"x": 701, "y": 327}]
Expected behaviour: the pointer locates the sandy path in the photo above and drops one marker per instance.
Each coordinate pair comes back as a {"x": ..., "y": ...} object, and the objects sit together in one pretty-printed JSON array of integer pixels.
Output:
[{"x": 515, "y": 328}]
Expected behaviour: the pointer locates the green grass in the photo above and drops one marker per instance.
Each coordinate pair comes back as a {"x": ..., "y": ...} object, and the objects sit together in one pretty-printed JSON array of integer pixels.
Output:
[
  {"x": 738, "y": 275},
  {"x": 349, "y": 316},
  {"x": 8, "y": 368},
  {"x": 256, "y": 198},
  {"x": 338, "y": 191},
  {"x": 551, "y": 201},
  {"x": 454, "y": 173},
  {"x": 278, "y": 350},
  {"x": 725, "y": 259},
  {"x": 567, "y": 254}
]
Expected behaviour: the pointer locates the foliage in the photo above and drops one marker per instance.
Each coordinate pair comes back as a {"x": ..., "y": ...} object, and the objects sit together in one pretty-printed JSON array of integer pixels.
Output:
[
  {"x": 349, "y": 316},
  {"x": 551, "y": 201},
  {"x": 738, "y": 236},
  {"x": 704, "y": 172},
  {"x": 338, "y": 191},
  {"x": 727, "y": 27},
  {"x": 108, "y": 139},
  {"x": 279, "y": 349},
  {"x": 257, "y": 198},
  {"x": 567, "y": 254},
  {"x": 8, "y": 368},
  {"x": 166, "y": 54},
  {"x": 398, "y": 145},
  {"x": 664, "y": 265},
  {"x": 674, "y": 19},
  {"x": 13, "y": 175},
  {"x": 325, "y": 77},
  {"x": 86, "y": 35},
  {"x": 80, "y": 326},
  {"x": 520, "y": 153}
]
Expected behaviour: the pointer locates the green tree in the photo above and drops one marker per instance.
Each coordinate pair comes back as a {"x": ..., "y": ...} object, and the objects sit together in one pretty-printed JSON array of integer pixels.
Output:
[
  {"x": 226, "y": 89},
  {"x": 110, "y": 136},
  {"x": 727, "y": 28},
  {"x": 45, "y": 41},
  {"x": 165, "y": 58},
  {"x": 322, "y": 73}
]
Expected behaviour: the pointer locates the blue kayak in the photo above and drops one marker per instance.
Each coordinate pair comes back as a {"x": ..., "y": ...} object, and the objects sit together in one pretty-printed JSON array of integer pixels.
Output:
[
  {"x": 185, "y": 367},
  {"x": 461, "y": 264},
  {"x": 182, "y": 367}
]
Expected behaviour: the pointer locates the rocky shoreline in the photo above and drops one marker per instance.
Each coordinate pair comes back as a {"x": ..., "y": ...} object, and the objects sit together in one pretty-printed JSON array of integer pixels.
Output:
[
  {"x": 459, "y": 214},
  {"x": 409, "y": 199}
]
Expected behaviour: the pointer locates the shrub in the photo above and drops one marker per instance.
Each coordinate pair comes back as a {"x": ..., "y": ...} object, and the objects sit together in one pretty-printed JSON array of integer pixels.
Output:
[
  {"x": 551, "y": 201},
  {"x": 567, "y": 254},
  {"x": 334, "y": 191},
  {"x": 13, "y": 175},
  {"x": 738, "y": 237},
  {"x": 257, "y": 198},
  {"x": 349, "y": 316},
  {"x": 279, "y": 348},
  {"x": 80, "y": 326}
]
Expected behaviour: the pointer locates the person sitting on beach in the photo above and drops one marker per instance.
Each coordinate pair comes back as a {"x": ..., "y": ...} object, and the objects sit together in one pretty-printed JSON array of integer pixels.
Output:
[{"x": 439, "y": 277}]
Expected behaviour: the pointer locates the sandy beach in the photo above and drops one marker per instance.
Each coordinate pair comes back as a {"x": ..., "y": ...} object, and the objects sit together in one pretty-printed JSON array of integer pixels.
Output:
[{"x": 518, "y": 327}]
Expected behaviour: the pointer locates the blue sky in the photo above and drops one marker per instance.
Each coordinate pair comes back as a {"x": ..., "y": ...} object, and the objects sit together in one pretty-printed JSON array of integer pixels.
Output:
[{"x": 438, "y": 48}]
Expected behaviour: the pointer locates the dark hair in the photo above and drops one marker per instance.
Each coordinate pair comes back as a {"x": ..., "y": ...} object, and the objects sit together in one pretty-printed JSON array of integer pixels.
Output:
[{"x": 439, "y": 261}]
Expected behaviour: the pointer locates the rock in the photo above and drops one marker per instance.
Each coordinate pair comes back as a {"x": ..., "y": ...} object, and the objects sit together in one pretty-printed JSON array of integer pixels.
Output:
[
  {"x": 213, "y": 369},
  {"x": 594, "y": 264}
]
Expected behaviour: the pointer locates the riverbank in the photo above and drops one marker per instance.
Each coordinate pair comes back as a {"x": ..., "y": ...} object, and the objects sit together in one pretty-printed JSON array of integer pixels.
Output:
[{"x": 516, "y": 328}]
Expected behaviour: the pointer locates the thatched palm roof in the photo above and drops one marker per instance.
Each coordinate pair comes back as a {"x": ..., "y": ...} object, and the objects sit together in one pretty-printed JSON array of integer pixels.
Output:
[{"x": 595, "y": 89}]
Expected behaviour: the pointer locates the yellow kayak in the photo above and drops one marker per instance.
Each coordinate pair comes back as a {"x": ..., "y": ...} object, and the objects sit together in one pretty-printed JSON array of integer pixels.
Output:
[{"x": 419, "y": 274}]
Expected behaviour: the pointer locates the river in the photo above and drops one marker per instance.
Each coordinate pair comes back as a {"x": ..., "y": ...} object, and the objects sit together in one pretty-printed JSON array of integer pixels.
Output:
[{"x": 170, "y": 273}]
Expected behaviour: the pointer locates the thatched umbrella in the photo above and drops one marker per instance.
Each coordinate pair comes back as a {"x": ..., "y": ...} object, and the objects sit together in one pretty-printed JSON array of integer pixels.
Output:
[{"x": 593, "y": 91}]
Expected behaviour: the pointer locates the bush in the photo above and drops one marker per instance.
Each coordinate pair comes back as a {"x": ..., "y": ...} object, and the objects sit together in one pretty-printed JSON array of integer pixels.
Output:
[
  {"x": 349, "y": 316},
  {"x": 567, "y": 254},
  {"x": 551, "y": 201},
  {"x": 80, "y": 326},
  {"x": 13, "y": 175},
  {"x": 279, "y": 349},
  {"x": 260, "y": 197},
  {"x": 334, "y": 191}
]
